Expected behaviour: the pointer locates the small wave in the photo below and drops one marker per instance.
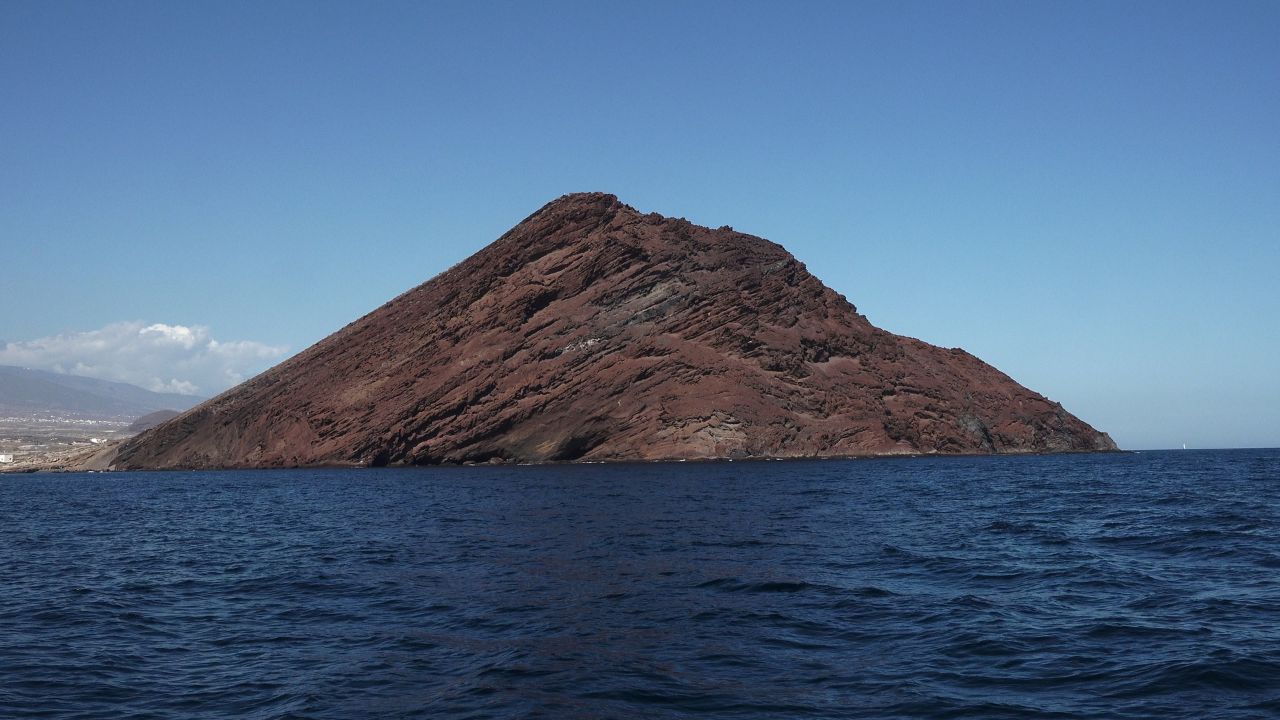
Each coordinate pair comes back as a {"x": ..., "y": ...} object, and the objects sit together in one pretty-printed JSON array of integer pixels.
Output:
[
  {"x": 1013, "y": 527},
  {"x": 1122, "y": 630},
  {"x": 729, "y": 543},
  {"x": 731, "y": 584},
  {"x": 1246, "y": 674}
]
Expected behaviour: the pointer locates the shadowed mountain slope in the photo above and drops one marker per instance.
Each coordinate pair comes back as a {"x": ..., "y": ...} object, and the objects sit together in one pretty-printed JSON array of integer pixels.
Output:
[
  {"x": 150, "y": 420},
  {"x": 591, "y": 331}
]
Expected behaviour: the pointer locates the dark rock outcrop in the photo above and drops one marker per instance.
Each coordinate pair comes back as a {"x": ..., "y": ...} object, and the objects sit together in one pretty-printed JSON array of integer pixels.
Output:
[{"x": 592, "y": 331}]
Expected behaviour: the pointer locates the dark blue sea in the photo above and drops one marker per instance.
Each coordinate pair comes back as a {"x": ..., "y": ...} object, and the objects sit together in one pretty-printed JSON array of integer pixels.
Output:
[{"x": 1105, "y": 586}]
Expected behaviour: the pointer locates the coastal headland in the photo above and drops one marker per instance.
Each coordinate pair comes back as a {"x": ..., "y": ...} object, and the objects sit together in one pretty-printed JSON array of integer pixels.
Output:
[{"x": 594, "y": 332}]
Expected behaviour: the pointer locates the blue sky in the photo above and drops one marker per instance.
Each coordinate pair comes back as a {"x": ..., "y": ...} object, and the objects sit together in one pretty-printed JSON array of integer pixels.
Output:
[{"x": 1086, "y": 195}]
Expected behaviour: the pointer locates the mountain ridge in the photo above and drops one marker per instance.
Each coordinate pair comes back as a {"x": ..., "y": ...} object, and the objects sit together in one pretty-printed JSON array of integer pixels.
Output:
[
  {"x": 27, "y": 391},
  {"x": 591, "y": 331}
]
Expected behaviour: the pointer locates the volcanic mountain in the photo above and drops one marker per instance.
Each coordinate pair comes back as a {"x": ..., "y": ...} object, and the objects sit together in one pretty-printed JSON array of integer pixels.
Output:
[{"x": 594, "y": 332}]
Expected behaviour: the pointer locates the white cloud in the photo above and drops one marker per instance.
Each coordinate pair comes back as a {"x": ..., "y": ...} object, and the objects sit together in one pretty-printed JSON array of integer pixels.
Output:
[{"x": 162, "y": 358}]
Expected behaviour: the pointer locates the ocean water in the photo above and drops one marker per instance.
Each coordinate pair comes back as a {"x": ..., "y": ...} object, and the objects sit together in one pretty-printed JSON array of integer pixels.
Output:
[{"x": 1107, "y": 586}]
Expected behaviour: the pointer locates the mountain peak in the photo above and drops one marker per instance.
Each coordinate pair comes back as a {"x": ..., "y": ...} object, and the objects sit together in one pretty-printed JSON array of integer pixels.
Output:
[
  {"x": 581, "y": 204},
  {"x": 586, "y": 198}
]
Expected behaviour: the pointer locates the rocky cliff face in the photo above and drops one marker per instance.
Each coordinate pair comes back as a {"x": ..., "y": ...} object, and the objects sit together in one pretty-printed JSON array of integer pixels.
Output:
[{"x": 592, "y": 331}]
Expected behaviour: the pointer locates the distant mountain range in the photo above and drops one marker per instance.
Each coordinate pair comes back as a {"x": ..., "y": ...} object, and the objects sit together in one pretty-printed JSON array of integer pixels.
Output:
[{"x": 26, "y": 392}]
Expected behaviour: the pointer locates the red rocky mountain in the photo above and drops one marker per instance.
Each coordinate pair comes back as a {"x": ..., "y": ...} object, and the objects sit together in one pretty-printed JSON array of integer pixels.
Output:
[{"x": 591, "y": 332}]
